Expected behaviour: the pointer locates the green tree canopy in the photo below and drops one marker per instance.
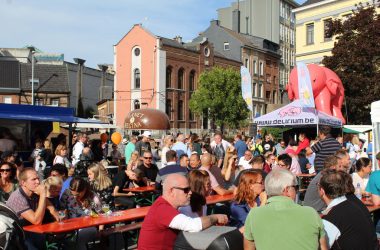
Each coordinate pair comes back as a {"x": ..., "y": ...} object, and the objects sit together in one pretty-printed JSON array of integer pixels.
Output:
[
  {"x": 219, "y": 95},
  {"x": 355, "y": 58}
]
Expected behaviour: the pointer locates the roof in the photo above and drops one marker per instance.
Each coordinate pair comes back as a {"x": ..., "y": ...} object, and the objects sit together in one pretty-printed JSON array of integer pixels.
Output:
[
  {"x": 41, "y": 113},
  {"x": 308, "y": 2},
  {"x": 11, "y": 80},
  {"x": 52, "y": 78}
]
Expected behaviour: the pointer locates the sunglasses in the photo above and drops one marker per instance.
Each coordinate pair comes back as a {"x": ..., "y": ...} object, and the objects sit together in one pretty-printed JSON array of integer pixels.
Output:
[
  {"x": 186, "y": 190},
  {"x": 148, "y": 158},
  {"x": 5, "y": 170}
]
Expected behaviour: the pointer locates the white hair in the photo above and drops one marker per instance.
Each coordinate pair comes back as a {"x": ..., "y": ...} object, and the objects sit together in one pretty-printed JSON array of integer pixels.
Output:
[{"x": 277, "y": 180}]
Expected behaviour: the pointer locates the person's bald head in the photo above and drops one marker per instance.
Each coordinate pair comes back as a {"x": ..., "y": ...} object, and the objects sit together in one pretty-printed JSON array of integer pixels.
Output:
[
  {"x": 206, "y": 160},
  {"x": 176, "y": 190}
]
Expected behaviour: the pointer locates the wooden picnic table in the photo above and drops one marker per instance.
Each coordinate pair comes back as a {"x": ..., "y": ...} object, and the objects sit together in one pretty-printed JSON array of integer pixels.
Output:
[
  {"x": 73, "y": 224},
  {"x": 140, "y": 189},
  {"x": 213, "y": 199}
]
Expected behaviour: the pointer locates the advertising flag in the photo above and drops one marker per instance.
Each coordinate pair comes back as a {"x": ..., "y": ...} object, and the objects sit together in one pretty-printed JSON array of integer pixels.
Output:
[
  {"x": 305, "y": 89},
  {"x": 246, "y": 86}
]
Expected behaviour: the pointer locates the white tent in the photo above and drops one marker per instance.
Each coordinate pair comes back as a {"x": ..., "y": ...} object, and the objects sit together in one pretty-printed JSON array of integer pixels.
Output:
[
  {"x": 296, "y": 115},
  {"x": 375, "y": 117}
]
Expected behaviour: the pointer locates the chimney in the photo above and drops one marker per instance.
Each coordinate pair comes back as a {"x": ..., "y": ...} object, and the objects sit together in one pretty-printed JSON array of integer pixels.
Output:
[
  {"x": 236, "y": 20},
  {"x": 215, "y": 22},
  {"x": 178, "y": 39}
]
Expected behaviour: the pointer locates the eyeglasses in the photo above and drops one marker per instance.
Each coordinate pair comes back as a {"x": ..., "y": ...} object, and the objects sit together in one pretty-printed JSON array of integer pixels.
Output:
[
  {"x": 186, "y": 190},
  {"x": 5, "y": 170},
  {"x": 148, "y": 158}
]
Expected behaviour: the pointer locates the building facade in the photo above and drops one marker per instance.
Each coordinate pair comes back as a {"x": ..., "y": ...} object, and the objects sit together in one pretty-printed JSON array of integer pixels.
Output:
[
  {"x": 312, "y": 19},
  {"x": 161, "y": 73},
  {"x": 272, "y": 20},
  {"x": 260, "y": 56},
  {"x": 56, "y": 82}
]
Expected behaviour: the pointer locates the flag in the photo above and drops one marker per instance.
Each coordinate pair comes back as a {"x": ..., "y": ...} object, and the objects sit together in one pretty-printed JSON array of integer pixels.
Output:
[
  {"x": 305, "y": 90},
  {"x": 246, "y": 87}
]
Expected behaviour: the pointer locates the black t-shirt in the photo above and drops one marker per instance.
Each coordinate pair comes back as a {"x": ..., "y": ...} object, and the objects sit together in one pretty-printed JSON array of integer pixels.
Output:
[
  {"x": 151, "y": 172},
  {"x": 268, "y": 146}
]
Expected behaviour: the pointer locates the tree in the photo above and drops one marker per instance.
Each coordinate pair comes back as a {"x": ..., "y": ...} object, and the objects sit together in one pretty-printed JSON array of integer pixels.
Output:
[
  {"x": 219, "y": 97},
  {"x": 356, "y": 59}
]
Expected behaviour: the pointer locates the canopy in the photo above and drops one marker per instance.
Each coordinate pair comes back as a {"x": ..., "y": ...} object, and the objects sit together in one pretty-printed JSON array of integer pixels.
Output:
[
  {"x": 141, "y": 119},
  {"x": 350, "y": 131},
  {"x": 40, "y": 113},
  {"x": 296, "y": 115},
  {"x": 92, "y": 125}
]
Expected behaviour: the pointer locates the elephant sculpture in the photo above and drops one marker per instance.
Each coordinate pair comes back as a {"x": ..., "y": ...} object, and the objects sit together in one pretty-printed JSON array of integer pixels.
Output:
[{"x": 327, "y": 87}]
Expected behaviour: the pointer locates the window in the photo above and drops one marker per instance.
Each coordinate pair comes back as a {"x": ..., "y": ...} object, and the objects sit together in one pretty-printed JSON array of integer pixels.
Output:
[
  {"x": 180, "y": 115},
  {"x": 326, "y": 34},
  {"x": 181, "y": 73},
  {"x": 191, "y": 116},
  {"x": 260, "y": 90},
  {"x": 38, "y": 101},
  {"x": 169, "y": 108},
  {"x": 246, "y": 63},
  {"x": 137, "y": 78},
  {"x": 226, "y": 46},
  {"x": 7, "y": 99},
  {"x": 169, "y": 77},
  {"x": 54, "y": 102},
  {"x": 310, "y": 33},
  {"x": 267, "y": 96},
  {"x": 261, "y": 68},
  {"x": 136, "y": 104},
  {"x": 192, "y": 81},
  {"x": 137, "y": 52},
  {"x": 254, "y": 88},
  {"x": 35, "y": 80},
  {"x": 255, "y": 67}
]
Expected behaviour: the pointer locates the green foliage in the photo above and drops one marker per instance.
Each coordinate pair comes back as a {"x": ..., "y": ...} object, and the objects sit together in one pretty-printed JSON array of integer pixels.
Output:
[
  {"x": 356, "y": 59},
  {"x": 219, "y": 93},
  {"x": 276, "y": 132}
]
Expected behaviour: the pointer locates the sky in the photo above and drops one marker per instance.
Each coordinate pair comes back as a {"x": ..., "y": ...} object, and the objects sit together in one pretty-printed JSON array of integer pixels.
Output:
[{"x": 88, "y": 29}]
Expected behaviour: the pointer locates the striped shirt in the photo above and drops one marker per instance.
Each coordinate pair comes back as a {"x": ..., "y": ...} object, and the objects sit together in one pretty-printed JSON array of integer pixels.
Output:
[{"x": 323, "y": 149}]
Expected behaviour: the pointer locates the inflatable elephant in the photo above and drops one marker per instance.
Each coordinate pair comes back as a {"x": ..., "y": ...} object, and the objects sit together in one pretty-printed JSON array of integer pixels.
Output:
[{"x": 327, "y": 89}]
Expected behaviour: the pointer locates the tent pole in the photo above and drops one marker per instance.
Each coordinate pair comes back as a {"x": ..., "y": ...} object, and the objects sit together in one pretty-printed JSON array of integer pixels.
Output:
[{"x": 70, "y": 138}]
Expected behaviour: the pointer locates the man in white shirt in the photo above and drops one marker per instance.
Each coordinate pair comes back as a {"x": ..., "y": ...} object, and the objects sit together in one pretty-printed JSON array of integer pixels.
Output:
[
  {"x": 78, "y": 147},
  {"x": 244, "y": 161}
]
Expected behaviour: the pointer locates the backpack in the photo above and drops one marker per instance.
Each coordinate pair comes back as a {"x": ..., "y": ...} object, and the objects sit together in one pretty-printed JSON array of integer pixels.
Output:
[{"x": 11, "y": 233}]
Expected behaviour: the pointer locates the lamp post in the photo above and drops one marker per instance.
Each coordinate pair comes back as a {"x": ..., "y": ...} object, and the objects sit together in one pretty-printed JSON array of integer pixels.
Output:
[{"x": 32, "y": 50}]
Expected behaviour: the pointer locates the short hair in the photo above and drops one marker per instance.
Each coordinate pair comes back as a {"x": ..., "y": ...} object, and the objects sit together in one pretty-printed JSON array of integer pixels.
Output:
[
  {"x": 182, "y": 156},
  {"x": 23, "y": 175},
  {"x": 362, "y": 162},
  {"x": 196, "y": 156},
  {"x": 340, "y": 153},
  {"x": 286, "y": 159},
  {"x": 330, "y": 161},
  {"x": 219, "y": 133},
  {"x": 52, "y": 181},
  {"x": 147, "y": 152},
  {"x": 334, "y": 183},
  {"x": 171, "y": 155},
  {"x": 277, "y": 180},
  {"x": 238, "y": 136},
  {"x": 256, "y": 160},
  {"x": 268, "y": 154},
  {"x": 60, "y": 168},
  {"x": 59, "y": 148},
  {"x": 326, "y": 130}
]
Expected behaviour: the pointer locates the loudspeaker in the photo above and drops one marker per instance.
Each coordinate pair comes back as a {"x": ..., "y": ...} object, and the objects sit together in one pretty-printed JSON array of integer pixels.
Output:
[{"x": 213, "y": 238}]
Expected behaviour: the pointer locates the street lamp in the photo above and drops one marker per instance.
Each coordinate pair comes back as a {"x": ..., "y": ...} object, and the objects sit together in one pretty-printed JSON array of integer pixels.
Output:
[{"x": 32, "y": 50}]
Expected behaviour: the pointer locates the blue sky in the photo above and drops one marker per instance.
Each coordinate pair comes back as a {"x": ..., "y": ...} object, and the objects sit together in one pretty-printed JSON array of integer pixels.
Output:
[{"x": 89, "y": 28}]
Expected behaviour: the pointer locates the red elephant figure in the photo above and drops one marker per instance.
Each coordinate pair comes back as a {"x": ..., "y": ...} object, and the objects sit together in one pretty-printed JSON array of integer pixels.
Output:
[{"x": 327, "y": 87}]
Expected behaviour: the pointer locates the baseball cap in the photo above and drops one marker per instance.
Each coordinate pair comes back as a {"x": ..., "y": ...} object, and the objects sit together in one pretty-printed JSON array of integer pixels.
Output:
[{"x": 147, "y": 134}]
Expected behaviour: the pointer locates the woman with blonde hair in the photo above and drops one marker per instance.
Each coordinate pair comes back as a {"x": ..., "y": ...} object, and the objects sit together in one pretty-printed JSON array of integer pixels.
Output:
[
  {"x": 134, "y": 161},
  {"x": 249, "y": 193},
  {"x": 53, "y": 186},
  {"x": 168, "y": 143},
  {"x": 100, "y": 183}
]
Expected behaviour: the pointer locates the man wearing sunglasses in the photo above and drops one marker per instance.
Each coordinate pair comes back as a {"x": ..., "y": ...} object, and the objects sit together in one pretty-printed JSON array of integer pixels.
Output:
[
  {"x": 163, "y": 221},
  {"x": 149, "y": 169},
  {"x": 281, "y": 223}
]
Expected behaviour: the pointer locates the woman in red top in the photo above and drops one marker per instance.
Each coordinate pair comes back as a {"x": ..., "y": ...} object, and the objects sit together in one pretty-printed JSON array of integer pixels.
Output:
[{"x": 303, "y": 143}]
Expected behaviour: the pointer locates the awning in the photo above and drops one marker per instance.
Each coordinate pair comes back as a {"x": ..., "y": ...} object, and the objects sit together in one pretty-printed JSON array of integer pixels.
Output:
[
  {"x": 296, "y": 115},
  {"x": 41, "y": 113},
  {"x": 350, "y": 131},
  {"x": 92, "y": 125}
]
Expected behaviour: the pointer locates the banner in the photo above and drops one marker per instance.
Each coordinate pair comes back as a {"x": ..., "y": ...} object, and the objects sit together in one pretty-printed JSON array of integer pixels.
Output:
[
  {"x": 305, "y": 90},
  {"x": 246, "y": 87}
]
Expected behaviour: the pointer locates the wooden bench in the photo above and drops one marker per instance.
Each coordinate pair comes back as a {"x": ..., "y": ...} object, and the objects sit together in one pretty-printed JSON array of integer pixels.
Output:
[{"x": 106, "y": 233}]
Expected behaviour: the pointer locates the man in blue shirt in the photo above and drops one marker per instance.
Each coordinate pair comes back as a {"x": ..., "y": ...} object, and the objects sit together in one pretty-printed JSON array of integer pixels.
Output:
[{"x": 240, "y": 146}]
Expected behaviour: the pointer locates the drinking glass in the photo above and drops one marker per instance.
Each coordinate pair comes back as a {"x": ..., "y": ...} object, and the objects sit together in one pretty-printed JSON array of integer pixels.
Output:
[
  {"x": 61, "y": 215},
  {"x": 106, "y": 209}
]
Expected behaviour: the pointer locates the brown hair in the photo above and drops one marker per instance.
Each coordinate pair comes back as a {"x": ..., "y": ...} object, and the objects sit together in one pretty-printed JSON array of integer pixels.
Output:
[
  {"x": 197, "y": 180},
  {"x": 334, "y": 183},
  {"x": 330, "y": 161},
  {"x": 244, "y": 191},
  {"x": 59, "y": 148},
  {"x": 23, "y": 175}
]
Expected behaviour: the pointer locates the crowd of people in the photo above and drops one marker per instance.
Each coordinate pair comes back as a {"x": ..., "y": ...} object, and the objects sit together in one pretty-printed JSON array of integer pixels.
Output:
[{"x": 262, "y": 175}]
